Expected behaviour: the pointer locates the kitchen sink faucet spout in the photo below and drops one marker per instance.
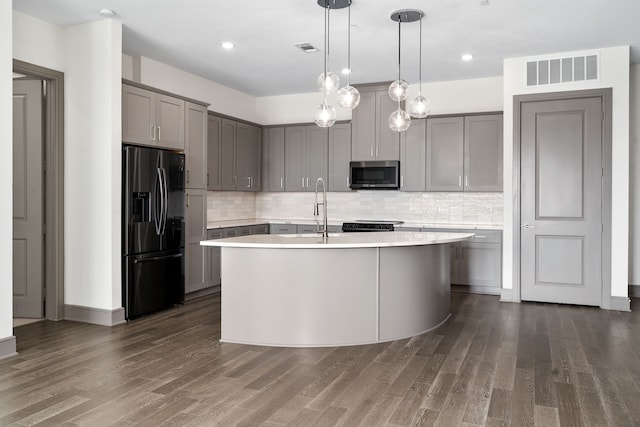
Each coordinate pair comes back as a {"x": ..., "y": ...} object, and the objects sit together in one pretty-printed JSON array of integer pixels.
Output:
[{"x": 316, "y": 208}]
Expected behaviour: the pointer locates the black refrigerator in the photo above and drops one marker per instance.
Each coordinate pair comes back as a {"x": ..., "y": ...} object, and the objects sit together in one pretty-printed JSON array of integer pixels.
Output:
[{"x": 153, "y": 228}]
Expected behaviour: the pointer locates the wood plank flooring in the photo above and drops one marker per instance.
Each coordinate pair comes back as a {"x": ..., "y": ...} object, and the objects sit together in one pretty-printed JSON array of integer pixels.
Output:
[{"x": 491, "y": 364}]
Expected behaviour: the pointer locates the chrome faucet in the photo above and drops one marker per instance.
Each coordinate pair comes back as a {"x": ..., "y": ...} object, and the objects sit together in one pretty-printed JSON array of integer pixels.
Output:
[{"x": 316, "y": 208}]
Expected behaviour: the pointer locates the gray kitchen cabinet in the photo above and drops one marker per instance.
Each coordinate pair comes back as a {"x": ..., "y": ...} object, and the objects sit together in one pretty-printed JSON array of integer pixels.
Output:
[
  {"x": 339, "y": 157},
  {"x": 196, "y": 146},
  {"x": 151, "y": 118},
  {"x": 228, "y": 178},
  {"x": 372, "y": 139},
  {"x": 247, "y": 157},
  {"x": 214, "y": 145},
  {"x": 260, "y": 229},
  {"x": 273, "y": 159},
  {"x": 283, "y": 228},
  {"x": 196, "y": 226},
  {"x": 476, "y": 264},
  {"x": 412, "y": 157},
  {"x": 306, "y": 228},
  {"x": 213, "y": 269},
  {"x": 306, "y": 157},
  {"x": 444, "y": 157},
  {"x": 483, "y": 152}
]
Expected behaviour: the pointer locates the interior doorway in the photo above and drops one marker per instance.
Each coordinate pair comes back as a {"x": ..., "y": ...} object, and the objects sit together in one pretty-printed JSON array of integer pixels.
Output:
[
  {"x": 50, "y": 170},
  {"x": 562, "y": 170}
]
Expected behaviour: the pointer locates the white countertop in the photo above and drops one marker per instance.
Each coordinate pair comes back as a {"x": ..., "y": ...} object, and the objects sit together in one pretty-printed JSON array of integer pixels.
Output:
[
  {"x": 254, "y": 221},
  {"x": 338, "y": 240}
]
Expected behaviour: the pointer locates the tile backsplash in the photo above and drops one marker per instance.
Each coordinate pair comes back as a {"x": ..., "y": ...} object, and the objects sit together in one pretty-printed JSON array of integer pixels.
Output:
[{"x": 437, "y": 208}]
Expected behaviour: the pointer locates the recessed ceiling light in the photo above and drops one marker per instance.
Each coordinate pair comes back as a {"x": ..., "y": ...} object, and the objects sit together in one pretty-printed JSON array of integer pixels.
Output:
[
  {"x": 346, "y": 71},
  {"x": 107, "y": 13},
  {"x": 228, "y": 45},
  {"x": 467, "y": 57}
]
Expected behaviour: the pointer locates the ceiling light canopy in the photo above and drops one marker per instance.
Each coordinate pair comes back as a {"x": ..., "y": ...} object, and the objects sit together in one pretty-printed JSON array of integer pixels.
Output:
[
  {"x": 228, "y": 45},
  {"x": 466, "y": 57},
  {"x": 107, "y": 13}
]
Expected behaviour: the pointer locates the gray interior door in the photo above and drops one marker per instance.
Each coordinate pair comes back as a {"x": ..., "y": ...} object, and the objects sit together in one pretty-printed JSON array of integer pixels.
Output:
[
  {"x": 27, "y": 199},
  {"x": 561, "y": 199}
]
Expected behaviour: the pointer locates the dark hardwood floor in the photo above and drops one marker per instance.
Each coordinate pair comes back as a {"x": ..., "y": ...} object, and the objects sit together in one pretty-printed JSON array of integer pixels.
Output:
[{"x": 491, "y": 364}]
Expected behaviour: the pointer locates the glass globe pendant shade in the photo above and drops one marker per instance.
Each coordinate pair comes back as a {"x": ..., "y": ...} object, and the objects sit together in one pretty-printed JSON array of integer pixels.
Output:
[
  {"x": 325, "y": 115},
  {"x": 419, "y": 107},
  {"x": 328, "y": 83},
  {"x": 398, "y": 90},
  {"x": 348, "y": 97},
  {"x": 399, "y": 120}
]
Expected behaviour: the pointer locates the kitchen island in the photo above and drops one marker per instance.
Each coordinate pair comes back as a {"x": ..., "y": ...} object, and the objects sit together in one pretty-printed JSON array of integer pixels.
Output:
[{"x": 303, "y": 290}]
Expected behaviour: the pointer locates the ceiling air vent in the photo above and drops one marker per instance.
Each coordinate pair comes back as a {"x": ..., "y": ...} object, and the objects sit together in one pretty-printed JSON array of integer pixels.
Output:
[
  {"x": 562, "y": 70},
  {"x": 306, "y": 47}
]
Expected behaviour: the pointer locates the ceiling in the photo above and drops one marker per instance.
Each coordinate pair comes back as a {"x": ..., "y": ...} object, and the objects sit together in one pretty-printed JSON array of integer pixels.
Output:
[{"x": 187, "y": 34}]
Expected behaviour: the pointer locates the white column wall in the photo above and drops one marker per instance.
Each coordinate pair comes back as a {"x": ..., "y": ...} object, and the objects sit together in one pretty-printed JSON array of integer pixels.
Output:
[
  {"x": 614, "y": 73},
  {"x": 6, "y": 173},
  {"x": 634, "y": 177},
  {"x": 92, "y": 190}
]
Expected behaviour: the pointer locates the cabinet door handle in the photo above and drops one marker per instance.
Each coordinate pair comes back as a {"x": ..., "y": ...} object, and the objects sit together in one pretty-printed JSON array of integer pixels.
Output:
[
  {"x": 372, "y": 151},
  {"x": 248, "y": 182},
  {"x": 460, "y": 181},
  {"x": 466, "y": 180},
  {"x": 303, "y": 182},
  {"x": 281, "y": 182},
  {"x": 207, "y": 180},
  {"x": 401, "y": 180},
  {"x": 377, "y": 151},
  {"x": 187, "y": 200},
  {"x": 187, "y": 173},
  {"x": 307, "y": 182},
  {"x": 153, "y": 133},
  {"x": 159, "y": 133}
]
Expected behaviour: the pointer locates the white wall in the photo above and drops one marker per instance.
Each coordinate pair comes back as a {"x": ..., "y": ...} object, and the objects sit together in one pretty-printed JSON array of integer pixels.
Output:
[
  {"x": 614, "y": 73},
  {"x": 456, "y": 96},
  {"x": 222, "y": 99},
  {"x": 634, "y": 176},
  {"x": 38, "y": 42},
  {"x": 92, "y": 164},
  {"x": 6, "y": 172}
]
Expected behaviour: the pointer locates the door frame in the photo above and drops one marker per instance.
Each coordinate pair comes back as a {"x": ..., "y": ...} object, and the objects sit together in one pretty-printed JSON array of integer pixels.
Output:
[
  {"x": 53, "y": 154},
  {"x": 605, "y": 94}
]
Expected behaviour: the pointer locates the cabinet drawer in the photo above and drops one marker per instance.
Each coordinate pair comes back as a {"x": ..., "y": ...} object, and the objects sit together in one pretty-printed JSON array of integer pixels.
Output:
[
  {"x": 244, "y": 231},
  {"x": 260, "y": 229},
  {"x": 230, "y": 232},
  {"x": 307, "y": 228},
  {"x": 488, "y": 236},
  {"x": 283, "y": 229},
  {"x": 214, "y": 234}
]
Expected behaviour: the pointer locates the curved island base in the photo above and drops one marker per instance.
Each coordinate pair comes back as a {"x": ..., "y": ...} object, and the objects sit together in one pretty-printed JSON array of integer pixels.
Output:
[{"x": 332, "y": 295}]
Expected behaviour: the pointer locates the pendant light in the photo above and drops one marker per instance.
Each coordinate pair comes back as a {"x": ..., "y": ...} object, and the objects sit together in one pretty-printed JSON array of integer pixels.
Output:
[
  {"x": 399, "y": 120},
  {"x": 419, "y": 107},
  {"x": 349, "y": 96},
  {"x": 325, "y": 114}
]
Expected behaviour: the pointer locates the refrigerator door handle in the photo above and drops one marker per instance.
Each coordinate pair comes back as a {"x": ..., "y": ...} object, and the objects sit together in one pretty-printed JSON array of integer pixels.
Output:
[
  {"x": 166, "y": 200},
  {"x": 161, "y": 197},
  {"x": 158, "y": 258},
  {"x": 157, "y": 209}
]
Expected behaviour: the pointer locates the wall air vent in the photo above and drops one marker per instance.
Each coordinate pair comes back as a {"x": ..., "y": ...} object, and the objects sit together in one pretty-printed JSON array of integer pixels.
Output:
[
  {"x": 571, "y": 69},
  {"x": 306, "y": 47}
]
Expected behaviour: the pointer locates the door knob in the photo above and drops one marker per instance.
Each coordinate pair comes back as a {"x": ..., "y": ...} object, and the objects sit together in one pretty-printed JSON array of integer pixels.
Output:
[{"x": 526, "y": 226}]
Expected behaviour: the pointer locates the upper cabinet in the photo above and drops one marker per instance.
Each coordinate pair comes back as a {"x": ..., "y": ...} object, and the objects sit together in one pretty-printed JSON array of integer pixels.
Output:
[
  {"x": 464, "y": 153},
  {"x": 196, "y": 146},
  {"x": 483, "y": 153},
  {"x": 151, "y": 118},
  {"x": 273, "y": 159},
  {"x": 412, "y": 157},
  {"x": 372, "y": 139},
  {"x": 306, "y": 157},
  {"x": 239, "y": 155},
  {"x": 214, "y": 144},
  {"x": 339, "y": 157}
]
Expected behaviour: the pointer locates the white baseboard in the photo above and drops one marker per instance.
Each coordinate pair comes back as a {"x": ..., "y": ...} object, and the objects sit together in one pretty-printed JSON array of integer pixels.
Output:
[
  {"x": 96, "y": 316},
  {"x": 620, "y": 304},
  {"x": 8, "y": 347},
  {"x": 506, "y": 295}
]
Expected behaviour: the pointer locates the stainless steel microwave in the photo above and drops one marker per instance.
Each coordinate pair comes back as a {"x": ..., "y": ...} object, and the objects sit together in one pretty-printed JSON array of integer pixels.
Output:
[{"x": 375, "y": 174}]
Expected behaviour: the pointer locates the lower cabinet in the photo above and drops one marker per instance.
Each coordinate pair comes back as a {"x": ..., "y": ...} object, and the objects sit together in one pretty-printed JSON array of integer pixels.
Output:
[
  {"x": 476, "y": 264},
  {"x": 196, "y": 225}
]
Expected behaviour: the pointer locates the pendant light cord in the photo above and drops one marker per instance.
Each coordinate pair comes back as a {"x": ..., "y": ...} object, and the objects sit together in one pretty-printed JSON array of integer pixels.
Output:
[
  {"x": 349, "y": 44},
  {"x": 420, "y": 65},
  {"x": 399, "y": 49}
]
